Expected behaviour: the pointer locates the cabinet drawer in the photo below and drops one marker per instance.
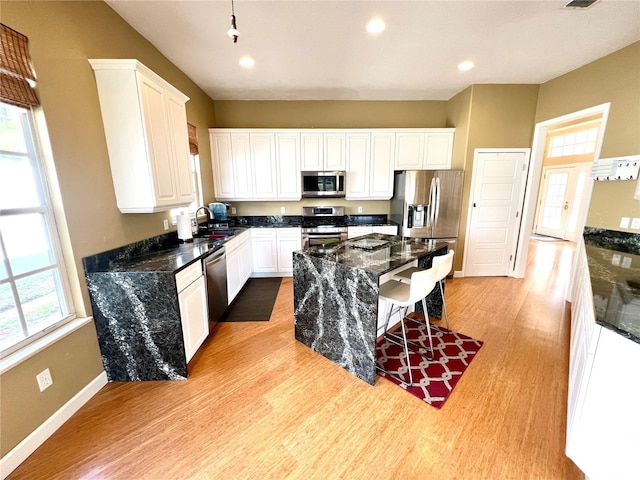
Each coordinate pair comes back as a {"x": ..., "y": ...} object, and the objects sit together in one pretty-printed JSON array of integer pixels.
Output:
[
  {"x": 187, "y": 276},
  {"x": 263, "y": 233}
]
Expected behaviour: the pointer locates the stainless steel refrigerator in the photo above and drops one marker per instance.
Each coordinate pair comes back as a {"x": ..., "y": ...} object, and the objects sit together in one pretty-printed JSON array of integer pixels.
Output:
[{"x": 427, "y": 204}]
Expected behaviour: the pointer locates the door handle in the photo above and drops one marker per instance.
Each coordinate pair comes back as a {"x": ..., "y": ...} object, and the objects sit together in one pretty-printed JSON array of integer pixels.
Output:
[{"x": 566, "y": 205}]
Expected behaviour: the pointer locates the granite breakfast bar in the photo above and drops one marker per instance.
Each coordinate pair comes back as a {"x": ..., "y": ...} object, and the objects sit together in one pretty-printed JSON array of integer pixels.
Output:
[{"x": 336, "y": 295}]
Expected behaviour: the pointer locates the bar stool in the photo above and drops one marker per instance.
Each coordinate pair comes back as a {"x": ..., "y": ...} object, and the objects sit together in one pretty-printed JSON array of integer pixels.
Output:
[
  {"x": 400, "y": 297},
  {"x": 443, "y": 263}
]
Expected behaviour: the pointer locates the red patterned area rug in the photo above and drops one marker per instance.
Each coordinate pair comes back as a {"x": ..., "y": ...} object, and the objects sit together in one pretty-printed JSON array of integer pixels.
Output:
[{"x": 435, "y": 379}]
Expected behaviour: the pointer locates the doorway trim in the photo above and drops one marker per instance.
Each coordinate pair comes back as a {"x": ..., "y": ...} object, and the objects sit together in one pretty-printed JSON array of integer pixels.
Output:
[{"x": 535, "y": 173}]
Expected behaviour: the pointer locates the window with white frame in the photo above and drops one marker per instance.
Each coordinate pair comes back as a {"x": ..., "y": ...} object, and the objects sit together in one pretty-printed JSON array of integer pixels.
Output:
[
  {"x": 578, "y": 142},
  {"x": 33, "y": 288}
]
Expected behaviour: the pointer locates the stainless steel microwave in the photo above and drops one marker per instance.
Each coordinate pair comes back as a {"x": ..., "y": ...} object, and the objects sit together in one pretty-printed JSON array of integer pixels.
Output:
[{"x": 323, "y": 184}]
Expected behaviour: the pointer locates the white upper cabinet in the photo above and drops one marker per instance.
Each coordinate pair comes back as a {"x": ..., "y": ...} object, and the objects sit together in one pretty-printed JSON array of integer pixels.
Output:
[
  {"x": 323, "y": 150},
  {"x": 145, "y": 126},
  {"x": 263, "y": 164},
  {"x": 424, "y": 149},
  {"x": 288, "y": 165},
  {"x": 370, "y": 165}
]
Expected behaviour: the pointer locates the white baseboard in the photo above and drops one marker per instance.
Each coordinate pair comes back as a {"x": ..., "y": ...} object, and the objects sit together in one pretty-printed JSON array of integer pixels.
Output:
[
  {"x": 26, "y": 447},
  {"x": 458, "y": 274}
]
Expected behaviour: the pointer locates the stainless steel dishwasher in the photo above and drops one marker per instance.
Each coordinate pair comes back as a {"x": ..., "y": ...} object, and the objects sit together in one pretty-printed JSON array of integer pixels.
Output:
[{"x": 215, "y": 265}]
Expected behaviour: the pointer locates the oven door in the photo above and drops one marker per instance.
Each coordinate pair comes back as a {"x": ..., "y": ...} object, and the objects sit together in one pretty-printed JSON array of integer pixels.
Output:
[{"x": 325, "y": 240}]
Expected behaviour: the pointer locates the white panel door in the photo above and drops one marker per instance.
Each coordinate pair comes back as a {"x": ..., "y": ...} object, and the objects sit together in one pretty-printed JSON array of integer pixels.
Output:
[
  {"x": 334, "y": 152},
  {"x": 288, "y": 165},
  {"x": 264, "y": 165},
  {"x": 311, "y": 152},
  {"x": 381, "y": 168},
  {"x": 242, "y": 170},
  {"x": 358, "y": 147},
  {"x": 223, "y": 164},
  {"x": 497, "y": 193},
  {"x": 194, "y": 315}
]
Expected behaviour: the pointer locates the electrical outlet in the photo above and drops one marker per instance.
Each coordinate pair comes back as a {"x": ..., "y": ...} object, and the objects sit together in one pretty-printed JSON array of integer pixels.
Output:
[
  {"x": 44, "y": 379},
  {"x": 283, "y": 210},
  {"x": 635, "y": 224},
  {"x": 233, "y": 210},
  {"x": 165, "y": 222},
  {"x": 624, "y": 222},
  {"x": 359, "y": 209}
]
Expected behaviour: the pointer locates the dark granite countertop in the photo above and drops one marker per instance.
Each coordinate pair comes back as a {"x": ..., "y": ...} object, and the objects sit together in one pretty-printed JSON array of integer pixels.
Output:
[
  {"x": 614, "y": 268},
  {"x": 397, "y": 251}
]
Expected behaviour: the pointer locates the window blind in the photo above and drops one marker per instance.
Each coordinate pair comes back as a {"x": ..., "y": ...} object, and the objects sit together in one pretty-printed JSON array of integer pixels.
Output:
[
  {"x": 193, "y": 139},
  {"x": 17, "y": 78}
]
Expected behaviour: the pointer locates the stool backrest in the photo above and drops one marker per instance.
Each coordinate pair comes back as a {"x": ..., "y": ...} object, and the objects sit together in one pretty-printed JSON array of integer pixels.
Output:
[
  {"x": 422, "y": 283},
  {"x": 443, "y": 264}
]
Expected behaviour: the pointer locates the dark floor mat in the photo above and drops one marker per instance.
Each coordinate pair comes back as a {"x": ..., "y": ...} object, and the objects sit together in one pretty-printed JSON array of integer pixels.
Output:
[{"x": 255, "y": 301}]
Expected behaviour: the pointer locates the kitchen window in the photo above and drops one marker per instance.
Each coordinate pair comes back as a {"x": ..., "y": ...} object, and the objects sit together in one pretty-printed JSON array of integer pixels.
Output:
[{"x": 34, "y": 296}]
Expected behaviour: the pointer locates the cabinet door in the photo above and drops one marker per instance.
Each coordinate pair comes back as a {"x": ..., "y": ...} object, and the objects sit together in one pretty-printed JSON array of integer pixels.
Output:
[
  {"x": 194, "y": 315},
  {"x": 246, "y": 258},
  {"x": 334, "y": 152},
  {"x": 288, "y": 166},
  {"x": 223, "y": 165},
  {"x": 386, "y": 229},
  {"x": 177, "y": 119},
  {"x": 264, "y": 250},
  {"x": 381, "y": 168},
  {"x": 289, "y": 240},
  {"x": 242, "y": 168},
  {"x": 438, "y": 151},
  {"x": 263, "y": 165},
  {"x": 158, "y": 141},
  {"x": 311, "y": 151},
  {"x": 358, "y": 148},
  {"x": 235, "y": 279},
  {"x": 409, "y": 150},
  {"x": 353, "y": 232}
]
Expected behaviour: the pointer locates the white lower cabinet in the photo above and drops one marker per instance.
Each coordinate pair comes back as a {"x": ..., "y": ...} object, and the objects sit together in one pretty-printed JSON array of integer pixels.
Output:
[
  {"x": 273, "y": 250},
  {"x": 359, "y": 230},
  {"x": 192, "y": 300},
  {"x": 239, "y": 263},
  {"x": 604, "y": 389}
]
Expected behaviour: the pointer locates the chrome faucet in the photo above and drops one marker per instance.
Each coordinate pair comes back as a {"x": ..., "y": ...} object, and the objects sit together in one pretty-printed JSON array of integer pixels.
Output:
[{"x": 209, "y": 216}]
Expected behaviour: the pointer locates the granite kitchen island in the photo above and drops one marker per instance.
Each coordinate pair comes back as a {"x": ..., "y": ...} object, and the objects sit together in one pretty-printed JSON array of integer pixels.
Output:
[{"x": 336, "y": 295}]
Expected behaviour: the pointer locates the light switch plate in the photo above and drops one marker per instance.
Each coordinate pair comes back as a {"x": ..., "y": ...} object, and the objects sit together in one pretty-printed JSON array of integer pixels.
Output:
[
  {"x": 624, "y": 222},
  {"x": 635, "y": 224},
  {"x": 233, "y": 210},
  {"x": 283, "y": 210}
]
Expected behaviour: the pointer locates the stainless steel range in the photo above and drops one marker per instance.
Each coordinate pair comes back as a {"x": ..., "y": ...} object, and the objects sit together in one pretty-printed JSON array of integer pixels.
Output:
[{"x": 323, "y": 226}]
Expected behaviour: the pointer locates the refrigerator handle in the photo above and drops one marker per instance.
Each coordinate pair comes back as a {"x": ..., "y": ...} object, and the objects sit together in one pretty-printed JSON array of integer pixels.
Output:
[
  {"x": 432, "y": 199},
  {"x": 438, "y": 195}
]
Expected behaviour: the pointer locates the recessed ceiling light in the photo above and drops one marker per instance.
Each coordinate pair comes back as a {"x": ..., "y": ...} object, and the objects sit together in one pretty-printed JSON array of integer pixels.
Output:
[
  {"x": 466, "y": 65},
  {"x": 375, "y": 25},
  {"x": 247, "y": 62}
]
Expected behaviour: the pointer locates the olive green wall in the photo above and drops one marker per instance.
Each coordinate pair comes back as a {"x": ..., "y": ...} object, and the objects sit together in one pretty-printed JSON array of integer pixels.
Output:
[
  {"x": 489, "y": 116},
  {"x": 616, "y": 79},
  {"x": 326, "y": 114},
  {"x": 62, "y": 36}
]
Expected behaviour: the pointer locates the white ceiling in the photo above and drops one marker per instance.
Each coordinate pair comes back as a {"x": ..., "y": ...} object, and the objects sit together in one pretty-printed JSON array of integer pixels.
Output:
[{"x": 319, "y": 50}]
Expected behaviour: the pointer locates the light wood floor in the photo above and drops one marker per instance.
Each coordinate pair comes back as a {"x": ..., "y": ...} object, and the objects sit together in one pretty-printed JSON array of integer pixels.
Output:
[{"x": 259, "y": 405}]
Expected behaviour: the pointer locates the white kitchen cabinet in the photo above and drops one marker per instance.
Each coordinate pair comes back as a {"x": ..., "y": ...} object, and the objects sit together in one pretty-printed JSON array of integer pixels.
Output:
[
  {"x": 288, "y": 241},
  {"x": 604, "y": 388},
  {"x": 273, "y": 250},
  {"x": 288, "y": 165},
  {"x": 359, "y": 230},
  {"x": 263, "y": 165},
  {"x": 232, "y": 170},
  {"x": 424, "y": 149},
  {"x": 145, "y": 125},
  {"x": 192, "y": 300},
  {"x": 323, "y": 150},
  {"x": 265, "y": 250},
  {"x": 358, "y": 165},
  {"x": 239, "y": 263}
]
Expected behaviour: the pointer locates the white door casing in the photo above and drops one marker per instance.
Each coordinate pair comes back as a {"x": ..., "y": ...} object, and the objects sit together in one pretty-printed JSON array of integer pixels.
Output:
[{"x": 497, "y": 192}]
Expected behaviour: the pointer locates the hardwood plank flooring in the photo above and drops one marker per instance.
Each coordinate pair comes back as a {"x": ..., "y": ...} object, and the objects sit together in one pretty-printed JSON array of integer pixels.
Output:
[{"x": 259, "y": 405}]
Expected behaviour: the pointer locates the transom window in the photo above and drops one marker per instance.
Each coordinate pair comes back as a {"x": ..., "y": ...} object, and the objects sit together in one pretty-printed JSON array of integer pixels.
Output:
[
  {"x": 33, "y": 288},
  {"x": 574, "y": 143}
]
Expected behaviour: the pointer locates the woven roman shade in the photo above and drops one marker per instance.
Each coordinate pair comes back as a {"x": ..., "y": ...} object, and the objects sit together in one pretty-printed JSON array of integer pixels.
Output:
[
  {"x": 17, "y": 78},
  {"x": 193, "y": 139}
]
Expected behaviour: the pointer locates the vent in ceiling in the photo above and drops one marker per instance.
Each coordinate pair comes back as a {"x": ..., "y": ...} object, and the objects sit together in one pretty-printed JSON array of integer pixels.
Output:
[{"x": 580, "y": 3}]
